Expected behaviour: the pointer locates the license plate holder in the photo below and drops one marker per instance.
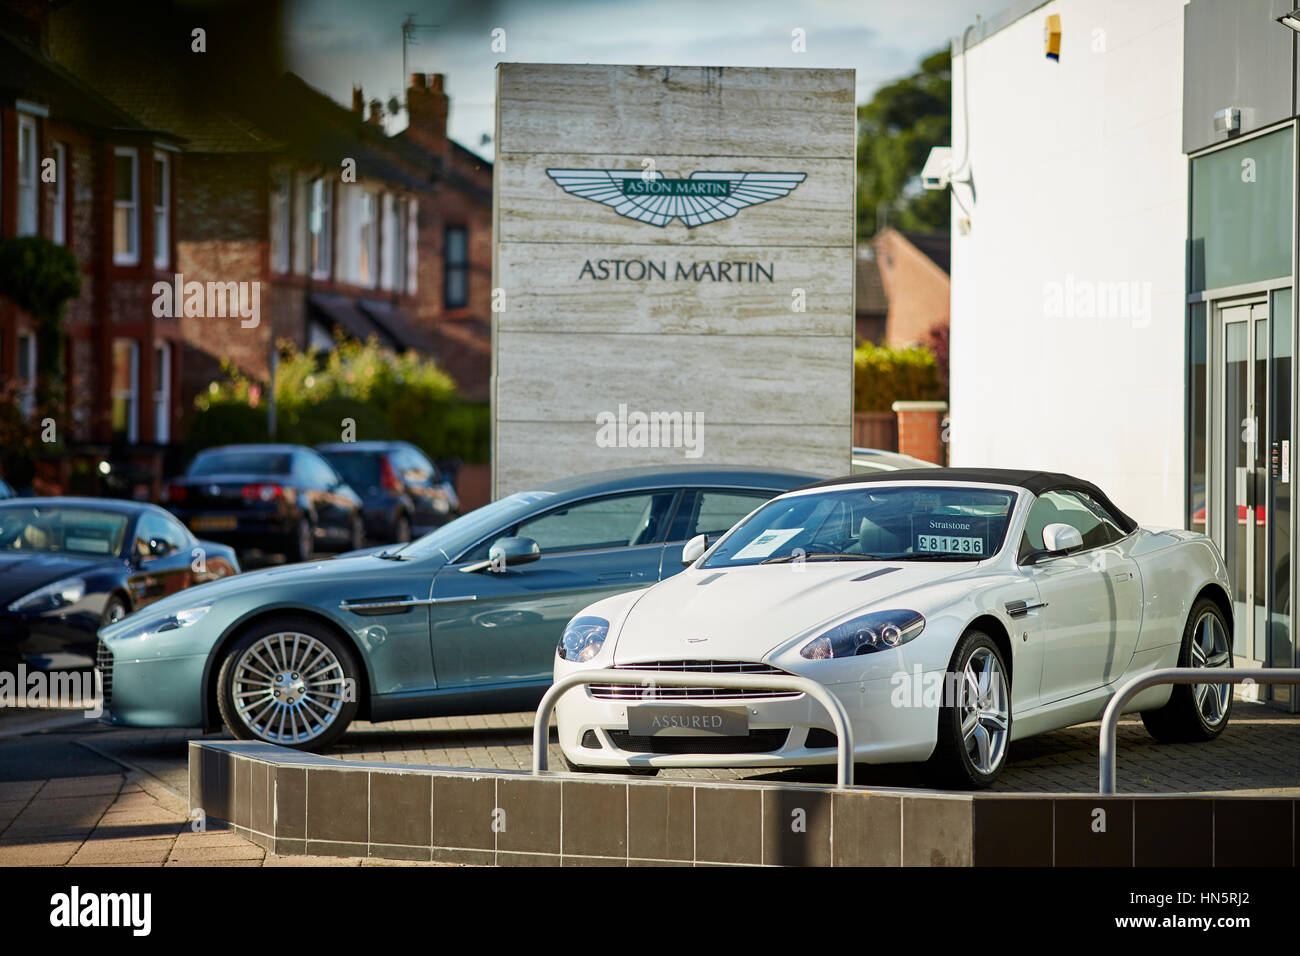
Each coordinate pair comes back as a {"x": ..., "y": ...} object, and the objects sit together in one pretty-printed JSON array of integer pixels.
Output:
[{"x": 670, "y": 720}]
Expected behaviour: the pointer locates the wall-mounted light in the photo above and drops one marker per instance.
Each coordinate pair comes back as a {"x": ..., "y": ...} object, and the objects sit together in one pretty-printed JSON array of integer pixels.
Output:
[
  {"x": 1227, "y": 120},
  {"x": 1291, "y": 20},
  {"x": 1052, "y": 37}
]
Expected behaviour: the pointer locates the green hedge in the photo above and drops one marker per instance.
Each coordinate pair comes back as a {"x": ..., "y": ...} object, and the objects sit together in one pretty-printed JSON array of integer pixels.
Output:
[
  {"x": 882, "y": 376},
  {"x": 385, "y": 396}
]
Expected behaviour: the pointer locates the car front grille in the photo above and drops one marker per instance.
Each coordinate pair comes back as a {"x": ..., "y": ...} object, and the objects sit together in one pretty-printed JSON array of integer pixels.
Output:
[
  {"x": 639, "y": 692},
  {"x": 104, "y": 667},
  {"x": 756, "y": 742}
]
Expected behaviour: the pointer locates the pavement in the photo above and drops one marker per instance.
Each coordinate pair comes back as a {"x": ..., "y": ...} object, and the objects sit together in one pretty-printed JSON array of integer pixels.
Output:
[{"x": 76, "y": 792}]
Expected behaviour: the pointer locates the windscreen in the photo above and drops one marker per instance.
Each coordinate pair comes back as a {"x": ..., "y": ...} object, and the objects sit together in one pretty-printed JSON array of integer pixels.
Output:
[{"x": 890, "y": 523}]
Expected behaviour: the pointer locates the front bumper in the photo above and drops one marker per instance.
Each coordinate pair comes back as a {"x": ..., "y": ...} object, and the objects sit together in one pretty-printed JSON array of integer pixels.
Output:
[
  {"x": 594, "y": 731},
  {"x": 156, "y": 692}
]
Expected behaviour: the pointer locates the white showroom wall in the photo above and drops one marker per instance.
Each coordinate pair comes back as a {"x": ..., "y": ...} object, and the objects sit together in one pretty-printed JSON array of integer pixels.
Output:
[{"x": 1068, "y": 288}]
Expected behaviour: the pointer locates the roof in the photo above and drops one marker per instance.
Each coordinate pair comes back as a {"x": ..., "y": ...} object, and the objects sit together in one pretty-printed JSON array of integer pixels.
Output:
[
  {"x": 271, "y": 448},
  {"x": 463, "y": 349},
  {"x": 25, "y": 73},
  {"x": 1035, "y": 482},
  {"x": 869, "y": 295},
  {"x": 117, "y": 505},
  {"x": 743, "y": 476},
  {"x": 361, "y": 447},
  {"x": 980, "y": 31},
  {"x": 935, "y": 246}
]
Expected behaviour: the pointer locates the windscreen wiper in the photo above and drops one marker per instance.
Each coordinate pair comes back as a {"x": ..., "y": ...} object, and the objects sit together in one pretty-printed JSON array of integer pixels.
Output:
[{"x": 822, "y": 556}]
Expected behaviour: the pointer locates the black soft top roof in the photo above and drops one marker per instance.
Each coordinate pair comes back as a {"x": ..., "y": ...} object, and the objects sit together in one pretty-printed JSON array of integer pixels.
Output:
[{"x": 1035, "y": 482}]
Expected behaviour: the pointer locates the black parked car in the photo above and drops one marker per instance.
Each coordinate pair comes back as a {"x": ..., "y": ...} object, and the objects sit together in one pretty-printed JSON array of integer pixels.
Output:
[
  {"x": 68, "y": 566},
  {"x": 405, "y": 494},
  {"x": 279, "y": 498},
  {"x": 5, "y": 490}
]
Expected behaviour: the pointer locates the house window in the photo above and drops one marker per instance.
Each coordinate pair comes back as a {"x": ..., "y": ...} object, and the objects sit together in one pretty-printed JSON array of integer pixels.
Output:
[
  {"x": 59, "y": 233},
  {"x": 126, "y": 388},
  {"x": 126, "y": 207},
  {"x": 318, "y": 227},
  {"x": 162, "y": 189},
  {"x": 162, "y": 393},
  {"x": 27, "y": 176},
  {"x": 367, "y": 239},
  {"x": 26, "y": 373},
  {"x": 455, "y": 265},
  {"x": 387, "y": 241},
  {"x": 412, "y": 245},
  {"x": 280, "y": 221}
]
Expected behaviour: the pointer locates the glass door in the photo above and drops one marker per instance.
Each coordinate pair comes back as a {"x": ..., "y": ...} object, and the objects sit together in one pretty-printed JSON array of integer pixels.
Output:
[{"x": 1243, "y": 520}]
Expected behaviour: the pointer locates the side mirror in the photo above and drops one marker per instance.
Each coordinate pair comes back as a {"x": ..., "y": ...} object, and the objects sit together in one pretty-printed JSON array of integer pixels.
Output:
[
  {"x": 1058, "y": 539},
  {"x": 694, "y": 548},
  {"x": 507, "y": 552}
]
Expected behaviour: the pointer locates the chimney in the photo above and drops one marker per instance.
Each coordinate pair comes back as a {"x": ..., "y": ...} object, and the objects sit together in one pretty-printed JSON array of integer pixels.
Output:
[
  {"x": 426, "y": 108},
  {"x": 358, "y": 101},
  {"x": 376, "y": 112}
]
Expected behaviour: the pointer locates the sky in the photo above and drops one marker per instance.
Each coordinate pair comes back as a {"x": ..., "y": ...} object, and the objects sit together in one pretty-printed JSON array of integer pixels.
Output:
[{"x": 335, "y": 44}]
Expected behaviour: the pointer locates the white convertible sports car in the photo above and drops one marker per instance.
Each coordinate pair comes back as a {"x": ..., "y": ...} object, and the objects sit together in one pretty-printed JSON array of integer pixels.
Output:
[{"x": 951, "y": 611}]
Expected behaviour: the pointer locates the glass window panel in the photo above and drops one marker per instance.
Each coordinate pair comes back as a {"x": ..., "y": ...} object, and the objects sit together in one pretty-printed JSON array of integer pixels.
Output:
[
  {"x": 1241, "y": 213},
  {"x": 1196, "y": 415},
  {"x": 1280, "y": 648}
]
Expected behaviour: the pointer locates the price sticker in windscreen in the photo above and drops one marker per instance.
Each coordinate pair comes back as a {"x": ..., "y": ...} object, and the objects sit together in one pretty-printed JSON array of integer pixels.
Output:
[{"x": 944, "y": 534}]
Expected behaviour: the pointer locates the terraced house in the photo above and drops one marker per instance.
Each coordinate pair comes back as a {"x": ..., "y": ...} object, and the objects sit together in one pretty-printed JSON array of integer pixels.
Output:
[{"x": 295, "y": 218}]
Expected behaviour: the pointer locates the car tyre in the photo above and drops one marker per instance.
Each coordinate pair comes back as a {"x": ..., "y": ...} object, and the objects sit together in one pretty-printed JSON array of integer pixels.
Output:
[
  {"x": 114, "y": 610},
  {"x": 974, "y": 732},
  {"x": 402, "y": 529},
  {"x": 1197, "y": 712},
  {"x": 305, "y": 670},
  {"x": 302, "y": 543},
  {"x": 358, "y": 534}
]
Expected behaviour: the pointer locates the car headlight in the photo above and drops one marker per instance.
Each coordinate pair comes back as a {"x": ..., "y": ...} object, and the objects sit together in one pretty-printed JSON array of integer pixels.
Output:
[
  {"x": 583, "y": 638},
  {"x": 52, "y": 596},
  {"x": 160, "y": 625},
  {"x": 877, "y": 631}
]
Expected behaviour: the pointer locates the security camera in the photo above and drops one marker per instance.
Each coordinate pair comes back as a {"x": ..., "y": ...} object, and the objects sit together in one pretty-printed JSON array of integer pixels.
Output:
[{"x": 937, "y": 171}]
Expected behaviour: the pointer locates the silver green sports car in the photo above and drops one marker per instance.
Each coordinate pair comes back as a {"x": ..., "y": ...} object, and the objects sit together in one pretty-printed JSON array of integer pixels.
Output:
[{"x": 463, "y": 620}]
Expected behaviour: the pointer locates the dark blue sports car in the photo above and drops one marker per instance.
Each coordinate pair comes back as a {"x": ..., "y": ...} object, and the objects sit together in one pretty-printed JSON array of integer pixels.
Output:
[{"x": 68, "y": 566}]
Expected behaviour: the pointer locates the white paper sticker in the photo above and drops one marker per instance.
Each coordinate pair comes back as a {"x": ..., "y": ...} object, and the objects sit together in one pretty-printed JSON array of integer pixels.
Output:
[
  {"x": 767, "y": 542},
  {"x": 1286, "y": 460}
]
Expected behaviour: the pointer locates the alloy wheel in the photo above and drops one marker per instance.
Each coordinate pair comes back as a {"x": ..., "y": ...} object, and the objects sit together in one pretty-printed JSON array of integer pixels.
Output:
[
  {"x": 1210, "y": 649},
  {"x": 985, "y": 708},
  {"x": 288, "y": 688}
]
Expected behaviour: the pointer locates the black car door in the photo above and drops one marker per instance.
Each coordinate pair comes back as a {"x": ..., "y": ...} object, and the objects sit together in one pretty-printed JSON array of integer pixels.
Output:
[
  {"x": 160, "y": 560},
  {"x": 710, "y": 511}
]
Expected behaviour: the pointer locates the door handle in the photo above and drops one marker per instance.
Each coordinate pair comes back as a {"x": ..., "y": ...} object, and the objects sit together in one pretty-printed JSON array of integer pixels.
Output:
[
  {"x": 1122, "y": 576},
  {"x": 614, "y": 576}
]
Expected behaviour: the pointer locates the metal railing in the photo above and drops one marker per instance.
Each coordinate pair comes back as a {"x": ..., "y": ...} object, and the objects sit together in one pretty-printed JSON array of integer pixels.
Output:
[
  {"x": 650, "y": 679},
  {"x": 1174, "y": 675}
]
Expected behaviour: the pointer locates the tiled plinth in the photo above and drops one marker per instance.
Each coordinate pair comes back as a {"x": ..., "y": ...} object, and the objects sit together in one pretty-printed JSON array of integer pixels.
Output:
[{"x": 294, "y": 803}]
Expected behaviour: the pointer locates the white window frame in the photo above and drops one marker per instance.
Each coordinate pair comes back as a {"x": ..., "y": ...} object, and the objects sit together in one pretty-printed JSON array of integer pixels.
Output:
[
  {"x": 59, "y": 228},
  {"x": 26, "y": 386},
  {"x": 162, "y": 392},
  {"x": 132, "y": 393},
  {"x": 412, "y": 244},
  {"x": 127, "y": 257},
  {"x": 320, "y": 211},
  {"x": 388, "y": 244},
  {"x": 281, "y": 223},
  {"x": 29, "y": 177},
  {"x": 162, "y": 239},
  {"x": 366, "y": 226}
]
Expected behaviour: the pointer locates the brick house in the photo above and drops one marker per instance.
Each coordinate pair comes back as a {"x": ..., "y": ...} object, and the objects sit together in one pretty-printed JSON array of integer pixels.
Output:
[
  {"x": 914, "y": 275},
  {"x": 226, "y": 171},
  {"x": 80, "y": 171}
]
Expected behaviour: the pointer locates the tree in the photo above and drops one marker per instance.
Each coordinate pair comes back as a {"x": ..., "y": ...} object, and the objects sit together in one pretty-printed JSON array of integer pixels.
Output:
[
  {"x": 40, "y": 277},
  {"x": 896, "y": 130}
]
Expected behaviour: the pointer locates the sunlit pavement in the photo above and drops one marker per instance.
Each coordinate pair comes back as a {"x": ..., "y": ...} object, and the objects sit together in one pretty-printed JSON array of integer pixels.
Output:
[{"x": 1259, "y": 752}]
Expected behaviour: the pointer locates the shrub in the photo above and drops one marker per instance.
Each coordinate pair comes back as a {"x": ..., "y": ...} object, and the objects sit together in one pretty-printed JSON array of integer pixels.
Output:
[
  {"x": 386, "y": 396},
  {"x": 882, "y": 376}
]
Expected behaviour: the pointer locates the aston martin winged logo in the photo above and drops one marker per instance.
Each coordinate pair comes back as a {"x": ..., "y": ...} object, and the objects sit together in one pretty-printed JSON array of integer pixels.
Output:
[{"x": 649, "y": 197}]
